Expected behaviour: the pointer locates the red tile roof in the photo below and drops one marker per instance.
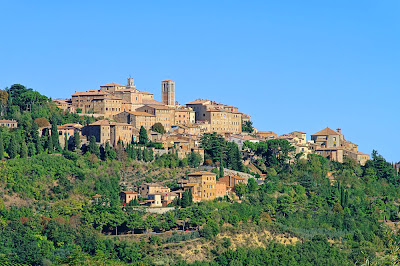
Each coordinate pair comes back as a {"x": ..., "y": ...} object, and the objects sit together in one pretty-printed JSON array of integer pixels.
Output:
[{"x": 112, "y": 84}]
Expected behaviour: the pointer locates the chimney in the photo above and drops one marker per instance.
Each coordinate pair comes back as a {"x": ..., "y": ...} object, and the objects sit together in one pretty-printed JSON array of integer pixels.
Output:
[{"x": 339, "y": 130}]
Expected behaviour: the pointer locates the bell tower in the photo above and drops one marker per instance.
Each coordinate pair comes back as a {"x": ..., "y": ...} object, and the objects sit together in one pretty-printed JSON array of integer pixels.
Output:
[
  {"x": 168, "y": 92},
  {"x": 131, "y": 84}
]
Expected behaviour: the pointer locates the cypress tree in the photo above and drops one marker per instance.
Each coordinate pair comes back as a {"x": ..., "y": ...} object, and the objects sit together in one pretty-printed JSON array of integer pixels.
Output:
[
  {"x": 54, "y": 136},
  {"x": 65, "y": 143},
  {"x": 35, "y": 132},
  {"x": 31, "y": 149},
  {"x": 77, "y": 141},
  {"x": 221, "y": 169},
  {"x": 1, "y": 148},
  {"x": 24, "y": 150},
  {"x": 50, "y": 146},
  {"x": 93, "y": 147},
  {"x": 12, "y": 148},
  {"x": 143, "y": 138}
]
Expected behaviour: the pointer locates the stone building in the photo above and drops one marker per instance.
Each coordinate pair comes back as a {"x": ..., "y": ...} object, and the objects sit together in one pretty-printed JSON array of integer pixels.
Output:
[
  {"x": 136, "y": 119},
  {"x": 164, "y": 114},
  {"x": 222, "y": 118},
  {"x": 108, "y": 131},
  {"x": 151, "y": 188},
  {"x": 184, "y": 115},
  {"x": 8, "y": 123},
  {"x": 333, "y": 145},
  {"x": 202, "y": 185},
  {"x": 168, "y": 92},
  {"x": 231, "y": 181}
]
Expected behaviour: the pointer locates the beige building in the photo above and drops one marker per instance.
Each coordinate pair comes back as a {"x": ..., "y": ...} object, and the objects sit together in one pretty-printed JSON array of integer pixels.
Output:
[
  {"x": 128, "y": 196},
  {"x": 64, "y": 104},
  {"x": 108, "y": 131},
  {"x": 8, "y": 123},
  {"x": 136, "y": 119},
  {"x": 152, "y": 188},
  {"x": 231, "y": 181},
  {"x": 184, "y": 116},
  {"x": 222, "y": 118},
  {"x": 202, "y": 185},
  {"x": 333, "y": 145},
  {"x": 164, "y": 114}
]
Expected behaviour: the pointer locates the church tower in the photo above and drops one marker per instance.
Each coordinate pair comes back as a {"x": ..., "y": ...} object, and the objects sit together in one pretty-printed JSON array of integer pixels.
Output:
[
  {"x": 130, "y": 84},
  {"x": 168, "y": 92}
]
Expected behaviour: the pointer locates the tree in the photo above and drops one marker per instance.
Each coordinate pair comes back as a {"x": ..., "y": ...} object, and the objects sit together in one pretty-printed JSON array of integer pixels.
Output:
[
  {"x": 12, "y": 148},
  {"x": 150, "y": 222},
  {"x": 93, "y": 147},
  {"x": 252, "y": 185},
  {"x": 143, "y": 138},
  {"x": 247, "y": 126},
  {"x": 158, "y": 127},
  {"x": 77, "y": 141},
  {"x": 1, "y": 148},
  {"x": 194, "y": 159},
  {"x": 42, "y": 122},
  {"x": 54, "y": 136},
  {"x": 221, "y": 169},
  {"x": 65, "y": 143},
  {"x": 49, "y": 144},
  {"x": 187, "y": 199},
  {"x": 24, "y": 150},
  {"x": 240, "y": 189}
]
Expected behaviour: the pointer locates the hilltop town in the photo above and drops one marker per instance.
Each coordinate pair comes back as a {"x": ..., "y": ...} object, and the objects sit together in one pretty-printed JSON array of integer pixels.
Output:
[
  {"x": 123, "y": 110},
  {"x": 116, "y": 162}
]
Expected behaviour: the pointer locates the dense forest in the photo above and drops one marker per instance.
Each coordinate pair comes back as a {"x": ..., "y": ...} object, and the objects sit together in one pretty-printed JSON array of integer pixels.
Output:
[{"x": 314, "y": 211}]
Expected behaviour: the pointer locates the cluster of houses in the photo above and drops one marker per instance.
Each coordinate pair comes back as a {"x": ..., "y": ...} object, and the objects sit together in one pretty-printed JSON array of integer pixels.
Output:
[
  {"x": 123, "y": 110},
  {"x": 327, "y": 142},
  {"x": 202, "y": 185}
]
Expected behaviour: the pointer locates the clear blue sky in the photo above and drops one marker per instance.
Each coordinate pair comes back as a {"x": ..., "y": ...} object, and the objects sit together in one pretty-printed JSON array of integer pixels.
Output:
[{"x": 292, "y": 65}]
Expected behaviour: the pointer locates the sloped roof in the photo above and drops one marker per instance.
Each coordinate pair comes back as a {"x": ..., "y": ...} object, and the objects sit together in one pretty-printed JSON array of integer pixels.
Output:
[
  {"x": 326, "y": 132},
  {"x": 145, "y": 92},
  {"x": 151, "y": 101},
  {"x": 108, "y": 123},
  {"x": 91, "y": 92},
  {"x": 198, "y": 101},
  {"x": 112, "y": 84},
  {"x": 201, "y": 173},
  {"x": 7, "y": 121},
  {"x": 141, "y": 114}
]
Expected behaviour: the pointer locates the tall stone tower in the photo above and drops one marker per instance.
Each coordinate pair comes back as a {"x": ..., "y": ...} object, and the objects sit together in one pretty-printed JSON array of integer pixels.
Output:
[
  {"x": 168, "y": 92},
  {"x": 130, "y": 84}
]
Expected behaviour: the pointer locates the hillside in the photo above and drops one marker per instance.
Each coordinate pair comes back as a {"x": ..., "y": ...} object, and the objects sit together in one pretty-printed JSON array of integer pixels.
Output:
[{"x": 298, "y": 216}]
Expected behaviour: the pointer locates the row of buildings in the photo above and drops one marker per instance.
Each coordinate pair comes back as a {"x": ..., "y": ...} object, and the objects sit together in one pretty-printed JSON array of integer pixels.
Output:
[
  {"x": 127, "y": 104},
  {"x": 202, "y": 185},
  {"x": 326, "y": 142}
]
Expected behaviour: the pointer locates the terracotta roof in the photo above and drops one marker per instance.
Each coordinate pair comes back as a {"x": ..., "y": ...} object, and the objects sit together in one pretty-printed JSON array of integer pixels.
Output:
[
  {"x": 130, "y": 192},
  {"x": 7, "y": 121},
  {"x": 152, "y": 184},
  {"x": 199, "y": 101},
  {"x": 141, "y": 114},
  {"x": 108, "y": 123},
  {"x": 90, "y": 92},
  {"x": 201, "y": 173},
  {"x": 73, "y": 125},
  {"x": 155, "y": 106},
  {"x": 299, "y": 132},
  {"x": 325, "y": 132},
  {"x": 112, "y": 84},
  {"x": 151, "y": 101},
  {"x": 234, "y": 176},
  {"x": 145, "y": 92}
]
